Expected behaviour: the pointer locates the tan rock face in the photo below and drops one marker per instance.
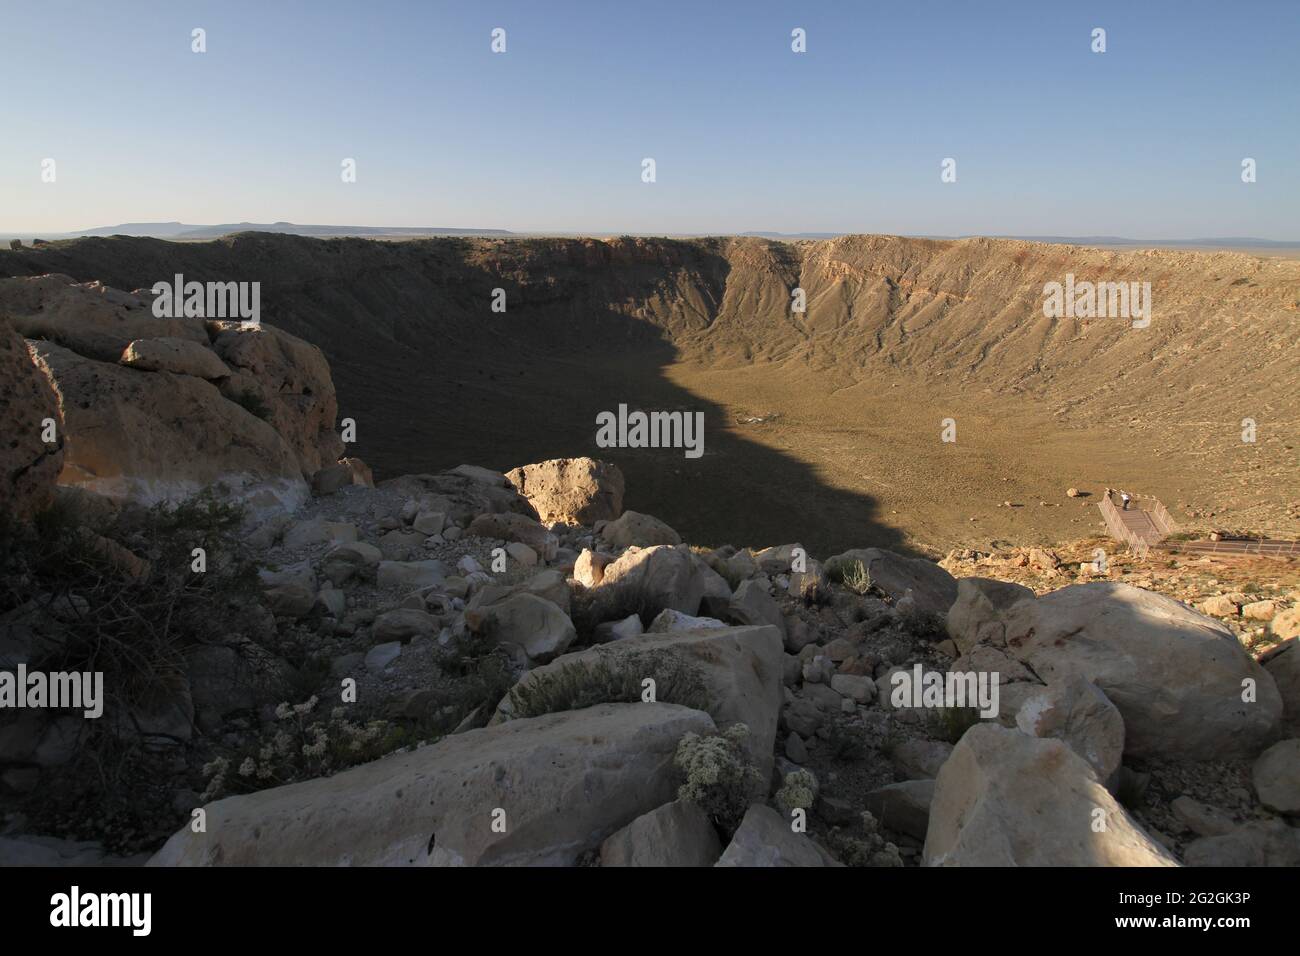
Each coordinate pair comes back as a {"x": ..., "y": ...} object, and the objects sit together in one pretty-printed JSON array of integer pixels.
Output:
[
  {"x": 139, "y": 416},
  {"x": 1177, "y": 676},
  {"x": 295, "y": 385},
  {"x": 571, "y": 490},
  {"x": 29, "y": 466},
  {"x": 88, "y": 317},
  {"x": 635, "y": 529},
  {"x": 1007, "y": 799},
  {"x": 158, "y": 436},
  {"x": 565, "y": 783},
  {"x": 182, "y": 356}
]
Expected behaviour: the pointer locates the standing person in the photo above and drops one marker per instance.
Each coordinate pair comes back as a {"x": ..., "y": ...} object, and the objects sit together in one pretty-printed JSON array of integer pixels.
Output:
[{"x": 1123, "y": 496}]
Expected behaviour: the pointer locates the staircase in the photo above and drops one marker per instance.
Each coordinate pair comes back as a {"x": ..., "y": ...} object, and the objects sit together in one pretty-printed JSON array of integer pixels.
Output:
[{"x": 1144, "y": 524}]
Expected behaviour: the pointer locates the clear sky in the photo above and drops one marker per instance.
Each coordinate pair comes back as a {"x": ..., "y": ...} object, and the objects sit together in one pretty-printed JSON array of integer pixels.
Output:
[{"x": 1145, "y": 140}]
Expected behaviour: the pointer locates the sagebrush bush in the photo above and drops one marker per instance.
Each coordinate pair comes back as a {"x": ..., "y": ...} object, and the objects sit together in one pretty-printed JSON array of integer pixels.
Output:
[
  {"x": 798, "y": 791},
  {"x": 719, "y": 777},
  {"x": 866, "y": 847},
  {"x": 610, "y": 678}
]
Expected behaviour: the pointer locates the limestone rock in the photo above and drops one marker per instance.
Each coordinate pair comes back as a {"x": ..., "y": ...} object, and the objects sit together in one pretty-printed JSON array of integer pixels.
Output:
[
  {"x": 348, "y": 561},
  {"x": 1175, "y": 675},
  {"x": 667, "y": 576},
  {"x": 976, "y": 615},
  {"x": 515, "y": 527},
  {"x": 640, "y": 530},
  {"x": 296, "y": 387},
  {"x": 1006, "y": 799},
  {"x": 157, "y": 436},
  {"x": 565, "y": 781},
  {"x": 525, "y": 621},
  {"x": 676, "y": 834},
  {"x": 1258, "y": 843},
  {"x": 1283, "y": 665},
  {"x": 575, "y": 491},
  {"x": 1276, "y": 776},
  {"x": 88, "y": 318},
  {"x": 29, "y": 467},
  {"x": 402, "y": 624},
  {"x": 589, "y": 570},
  {"x": 1075, "y": 710},
  {"x": 181, "y": 356},
  {"x": 752, "y": 604},
  {"x": 765, "y": 839}
]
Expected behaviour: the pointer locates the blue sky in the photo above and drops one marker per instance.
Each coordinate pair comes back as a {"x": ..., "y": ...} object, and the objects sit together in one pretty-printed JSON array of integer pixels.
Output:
[{"x": 1144, "y": 140}]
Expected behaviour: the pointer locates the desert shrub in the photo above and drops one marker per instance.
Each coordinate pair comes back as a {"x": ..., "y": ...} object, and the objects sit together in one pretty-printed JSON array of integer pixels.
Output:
[
  {"x": 719, "y": 777},
  {"x": 863, "y": 846},
  {"x": 846, "y": 742},
  {"x": 608, "y": 679},
  {"x": 853, "y": 575},
  {"x": 303, "y": 744},
  {"x": 133, "y": 623},
  {"x": 923, "y": 626},
  {"x": 798, "y": 791}
]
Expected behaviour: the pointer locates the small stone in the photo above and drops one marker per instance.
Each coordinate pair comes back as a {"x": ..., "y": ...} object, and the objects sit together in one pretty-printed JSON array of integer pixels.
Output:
[{"x": 379, "y": 657}]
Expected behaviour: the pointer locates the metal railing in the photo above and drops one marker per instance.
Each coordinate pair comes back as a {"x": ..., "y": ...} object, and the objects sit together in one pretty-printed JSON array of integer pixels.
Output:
[
  {"x": 1148, "y": 505},
  {"x": 1239, "y": 546},
  {"x": 1121, "y": 531}
]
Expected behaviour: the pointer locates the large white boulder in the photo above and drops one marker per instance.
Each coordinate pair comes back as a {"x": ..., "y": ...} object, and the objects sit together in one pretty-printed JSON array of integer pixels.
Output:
[
  {"x": 1007, "y": 799},
  {"x": 1181, "y": 680},
  {"x": 561, "y": 784}
]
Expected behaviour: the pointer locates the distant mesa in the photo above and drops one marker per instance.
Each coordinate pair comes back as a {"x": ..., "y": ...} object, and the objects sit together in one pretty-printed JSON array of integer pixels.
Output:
[{"x": 181, "y": 230}]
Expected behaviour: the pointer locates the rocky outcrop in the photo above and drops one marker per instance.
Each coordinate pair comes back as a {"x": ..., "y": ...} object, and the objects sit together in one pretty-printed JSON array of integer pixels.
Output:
[
  {"x": 577, "y": 491},
  {"x": 180, "y": 356},
  {"x": 975, "y": 616},
  {"x": 1006, "y": 799},
  {"x": 667, "y": 577},
  {"x": 291, "y": 379},
  {"x": 89, "y": 318},
  {"x": 530, "y": 792},
  {"x": 159, "y": 436},
  {"x": 933, "y": 590},
  {"x": 1179, "y": 679},
  {"x": 156, "y": 408},
  {"x": 29, "y": 466}
]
